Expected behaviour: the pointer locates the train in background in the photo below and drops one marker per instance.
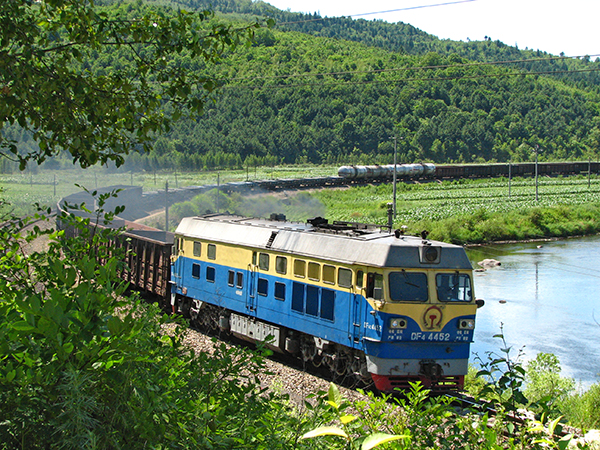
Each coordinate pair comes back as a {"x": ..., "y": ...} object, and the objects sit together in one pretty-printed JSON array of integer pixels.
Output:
[
  {"x": 454, "y": 171},
  {"x": 357, "y": 175},
  {"x": 386, "y": 171}
]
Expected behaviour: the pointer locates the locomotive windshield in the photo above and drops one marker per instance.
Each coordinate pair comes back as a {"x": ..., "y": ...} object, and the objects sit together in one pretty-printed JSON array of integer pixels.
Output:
[
  {"x": 408, "y": 286},
  {"x": 454, "y": 287}
]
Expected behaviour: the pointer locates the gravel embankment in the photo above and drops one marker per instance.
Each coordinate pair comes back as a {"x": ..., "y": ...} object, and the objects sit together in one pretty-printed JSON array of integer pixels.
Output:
[{"x": 296, "y": 383}]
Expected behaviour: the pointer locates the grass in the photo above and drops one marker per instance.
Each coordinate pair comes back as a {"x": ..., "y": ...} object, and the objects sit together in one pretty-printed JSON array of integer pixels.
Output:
[
  {"x": 461, "y": 211},
  {"x": 476, "y": 211},
  {"x": 46, "y": 187}
]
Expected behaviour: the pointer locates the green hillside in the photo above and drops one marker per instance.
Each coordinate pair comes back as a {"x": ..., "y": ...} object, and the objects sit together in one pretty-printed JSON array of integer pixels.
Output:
[{"x": 337, "y": 90}]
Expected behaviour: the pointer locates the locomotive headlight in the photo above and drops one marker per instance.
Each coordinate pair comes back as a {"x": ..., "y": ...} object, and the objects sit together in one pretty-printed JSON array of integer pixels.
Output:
[
  {"x": 398, "y": 323},
  {"x": 429, "y": 254},
  {"x": 466, "y": 324}
]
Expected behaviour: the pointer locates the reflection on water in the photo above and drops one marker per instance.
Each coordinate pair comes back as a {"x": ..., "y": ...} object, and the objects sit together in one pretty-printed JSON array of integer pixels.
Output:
[{"x": 547, "y": 296}]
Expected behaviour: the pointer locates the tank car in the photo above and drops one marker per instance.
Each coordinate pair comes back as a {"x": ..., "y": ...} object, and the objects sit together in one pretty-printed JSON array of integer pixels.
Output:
[
  {"x": 363, "y": 301},
  {"x": 386, "y": 171}
]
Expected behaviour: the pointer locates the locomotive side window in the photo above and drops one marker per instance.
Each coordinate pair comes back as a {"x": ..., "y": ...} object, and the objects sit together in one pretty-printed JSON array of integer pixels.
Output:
[
  {"x": 212, "y": 251},
  {"x": 327, "y": 303},
  {"x": 263, "y": 261},
  {"x": 408, "y": 286},
  {"x": 344, "y": 277},
  {"x": 239, "y": 280},
  {"x": 230, "y": 277},
  {"x": 298, "y": 297},
  {"x": 312, "y": 300},
  {"x": 328, "y": 274},
  {"x": 279, "y": 291},
  {"x": 210, "y": 274},
  {"x": 360, "y": 275},
  {"x": 263, "y": 287},
  {"x": 375, "y": 285},
  {"x": 299, "y": 268},
  {"x": 453, "y": 287},
  {"x": 281, "y": 265},
  {"x": 314, "y": 271},
  {"x": 196, "y": 270},
  {"x": 197, "y": 248}
]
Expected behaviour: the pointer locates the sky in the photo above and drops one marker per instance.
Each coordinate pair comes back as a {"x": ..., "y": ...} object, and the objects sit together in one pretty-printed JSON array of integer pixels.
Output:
[{"x": 554, "y": 26}]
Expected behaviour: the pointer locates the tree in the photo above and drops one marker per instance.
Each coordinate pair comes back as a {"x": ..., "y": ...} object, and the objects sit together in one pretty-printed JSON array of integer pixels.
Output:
[{"x": 46, "y": 89}]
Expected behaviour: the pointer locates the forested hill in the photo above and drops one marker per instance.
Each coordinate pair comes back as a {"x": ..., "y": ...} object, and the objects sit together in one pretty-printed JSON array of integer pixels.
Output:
[
  {"x": 404, "y": 38},
  {"x": 322, "y": 92}
]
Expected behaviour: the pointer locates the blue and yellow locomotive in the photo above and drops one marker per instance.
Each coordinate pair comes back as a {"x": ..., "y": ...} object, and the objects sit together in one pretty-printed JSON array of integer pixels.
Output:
[{"x": 362, "y": 300}]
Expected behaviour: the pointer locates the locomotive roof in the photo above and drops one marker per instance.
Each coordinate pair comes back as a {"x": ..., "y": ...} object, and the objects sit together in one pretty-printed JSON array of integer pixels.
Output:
[{"x": 365, "y": 247}]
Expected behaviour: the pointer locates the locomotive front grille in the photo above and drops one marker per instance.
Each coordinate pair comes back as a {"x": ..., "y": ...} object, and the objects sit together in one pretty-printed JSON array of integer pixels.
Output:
[{"x": 451, "y": 383}]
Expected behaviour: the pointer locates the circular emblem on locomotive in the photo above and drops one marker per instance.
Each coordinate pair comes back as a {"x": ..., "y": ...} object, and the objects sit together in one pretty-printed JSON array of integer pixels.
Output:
[{"x": 432, "y": 317}]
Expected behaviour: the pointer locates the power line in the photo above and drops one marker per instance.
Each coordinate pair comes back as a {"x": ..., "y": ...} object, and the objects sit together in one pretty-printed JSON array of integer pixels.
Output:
[
  {"x": 318, "y": 19},
  {"x": 406, "y": 80},
  {"x": 406, "y": 68}
]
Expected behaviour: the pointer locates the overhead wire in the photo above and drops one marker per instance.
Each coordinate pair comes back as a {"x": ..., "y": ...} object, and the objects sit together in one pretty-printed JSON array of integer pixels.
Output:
[
  {"x": 421, "y": 68},
  {"x": 409, "y": 8},
  {"x": 405, "y": 80},
  {"x": 434, "y": 67}
]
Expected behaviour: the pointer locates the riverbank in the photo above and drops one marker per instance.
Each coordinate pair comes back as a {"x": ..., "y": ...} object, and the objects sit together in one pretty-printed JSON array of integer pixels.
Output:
[{"x": 523, "y": 225}]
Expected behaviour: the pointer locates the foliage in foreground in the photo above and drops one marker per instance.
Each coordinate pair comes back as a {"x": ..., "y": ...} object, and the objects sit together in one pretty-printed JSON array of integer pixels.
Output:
[
  {"x": 84, "y": 365},
  {"x": 537, "y": 386}
]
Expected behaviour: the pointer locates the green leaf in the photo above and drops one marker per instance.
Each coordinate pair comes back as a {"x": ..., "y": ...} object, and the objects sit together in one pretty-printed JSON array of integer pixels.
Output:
[
  {"x": 334, "y": 396},
  {"x": 376, "y": 439},
  {"x": 564, "y": 442},
  {"x": 325, "y": 431},
  {"x": 23, "y": 325}
]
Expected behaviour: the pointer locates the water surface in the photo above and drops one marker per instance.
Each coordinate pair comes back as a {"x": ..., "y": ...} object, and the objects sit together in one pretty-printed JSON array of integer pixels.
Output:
[{"x": 546, "y": 296}]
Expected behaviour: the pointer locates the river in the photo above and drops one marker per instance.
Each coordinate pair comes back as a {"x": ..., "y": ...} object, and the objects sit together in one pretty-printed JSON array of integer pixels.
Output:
[{"x": 546, "y": 298}]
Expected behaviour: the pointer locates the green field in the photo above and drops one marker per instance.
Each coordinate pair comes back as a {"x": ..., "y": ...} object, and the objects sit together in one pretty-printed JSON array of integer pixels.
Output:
[
  {"x": 462, "y": 211},
  {"x": 46, "y": 187},
  {"x": 437, "y": 201},
  {"x": 476, "y": 211}
]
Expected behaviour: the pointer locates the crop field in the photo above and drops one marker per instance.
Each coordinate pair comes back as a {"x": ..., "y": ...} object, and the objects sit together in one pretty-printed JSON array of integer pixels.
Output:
[{"x": 436, "y": 201}]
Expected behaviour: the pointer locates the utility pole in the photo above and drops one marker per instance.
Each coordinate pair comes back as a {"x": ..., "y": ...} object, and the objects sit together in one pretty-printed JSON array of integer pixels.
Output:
[
  {"x": 509, "y": 175},
  {"x": 167, "y": 205},
  {"x": 395, "y": 161},
  {"x": 537, "y": 149},
  {"x": 217, "y": 199}
]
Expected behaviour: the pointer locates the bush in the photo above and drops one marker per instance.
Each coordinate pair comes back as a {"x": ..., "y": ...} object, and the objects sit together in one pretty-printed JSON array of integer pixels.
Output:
[
  {"x": 85, "y": 365},
  {"x": 544, "y": 385},
  {"x": 583, "y": 408}
]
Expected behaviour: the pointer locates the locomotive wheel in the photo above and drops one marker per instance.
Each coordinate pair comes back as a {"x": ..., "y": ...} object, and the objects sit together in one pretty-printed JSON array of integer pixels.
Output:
[
  {"x": 209, "y": 317},
  {"x": 308, "y": 349},
  {"x": 358, "y": 368},
  {"x": 338, "y": 363}
]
